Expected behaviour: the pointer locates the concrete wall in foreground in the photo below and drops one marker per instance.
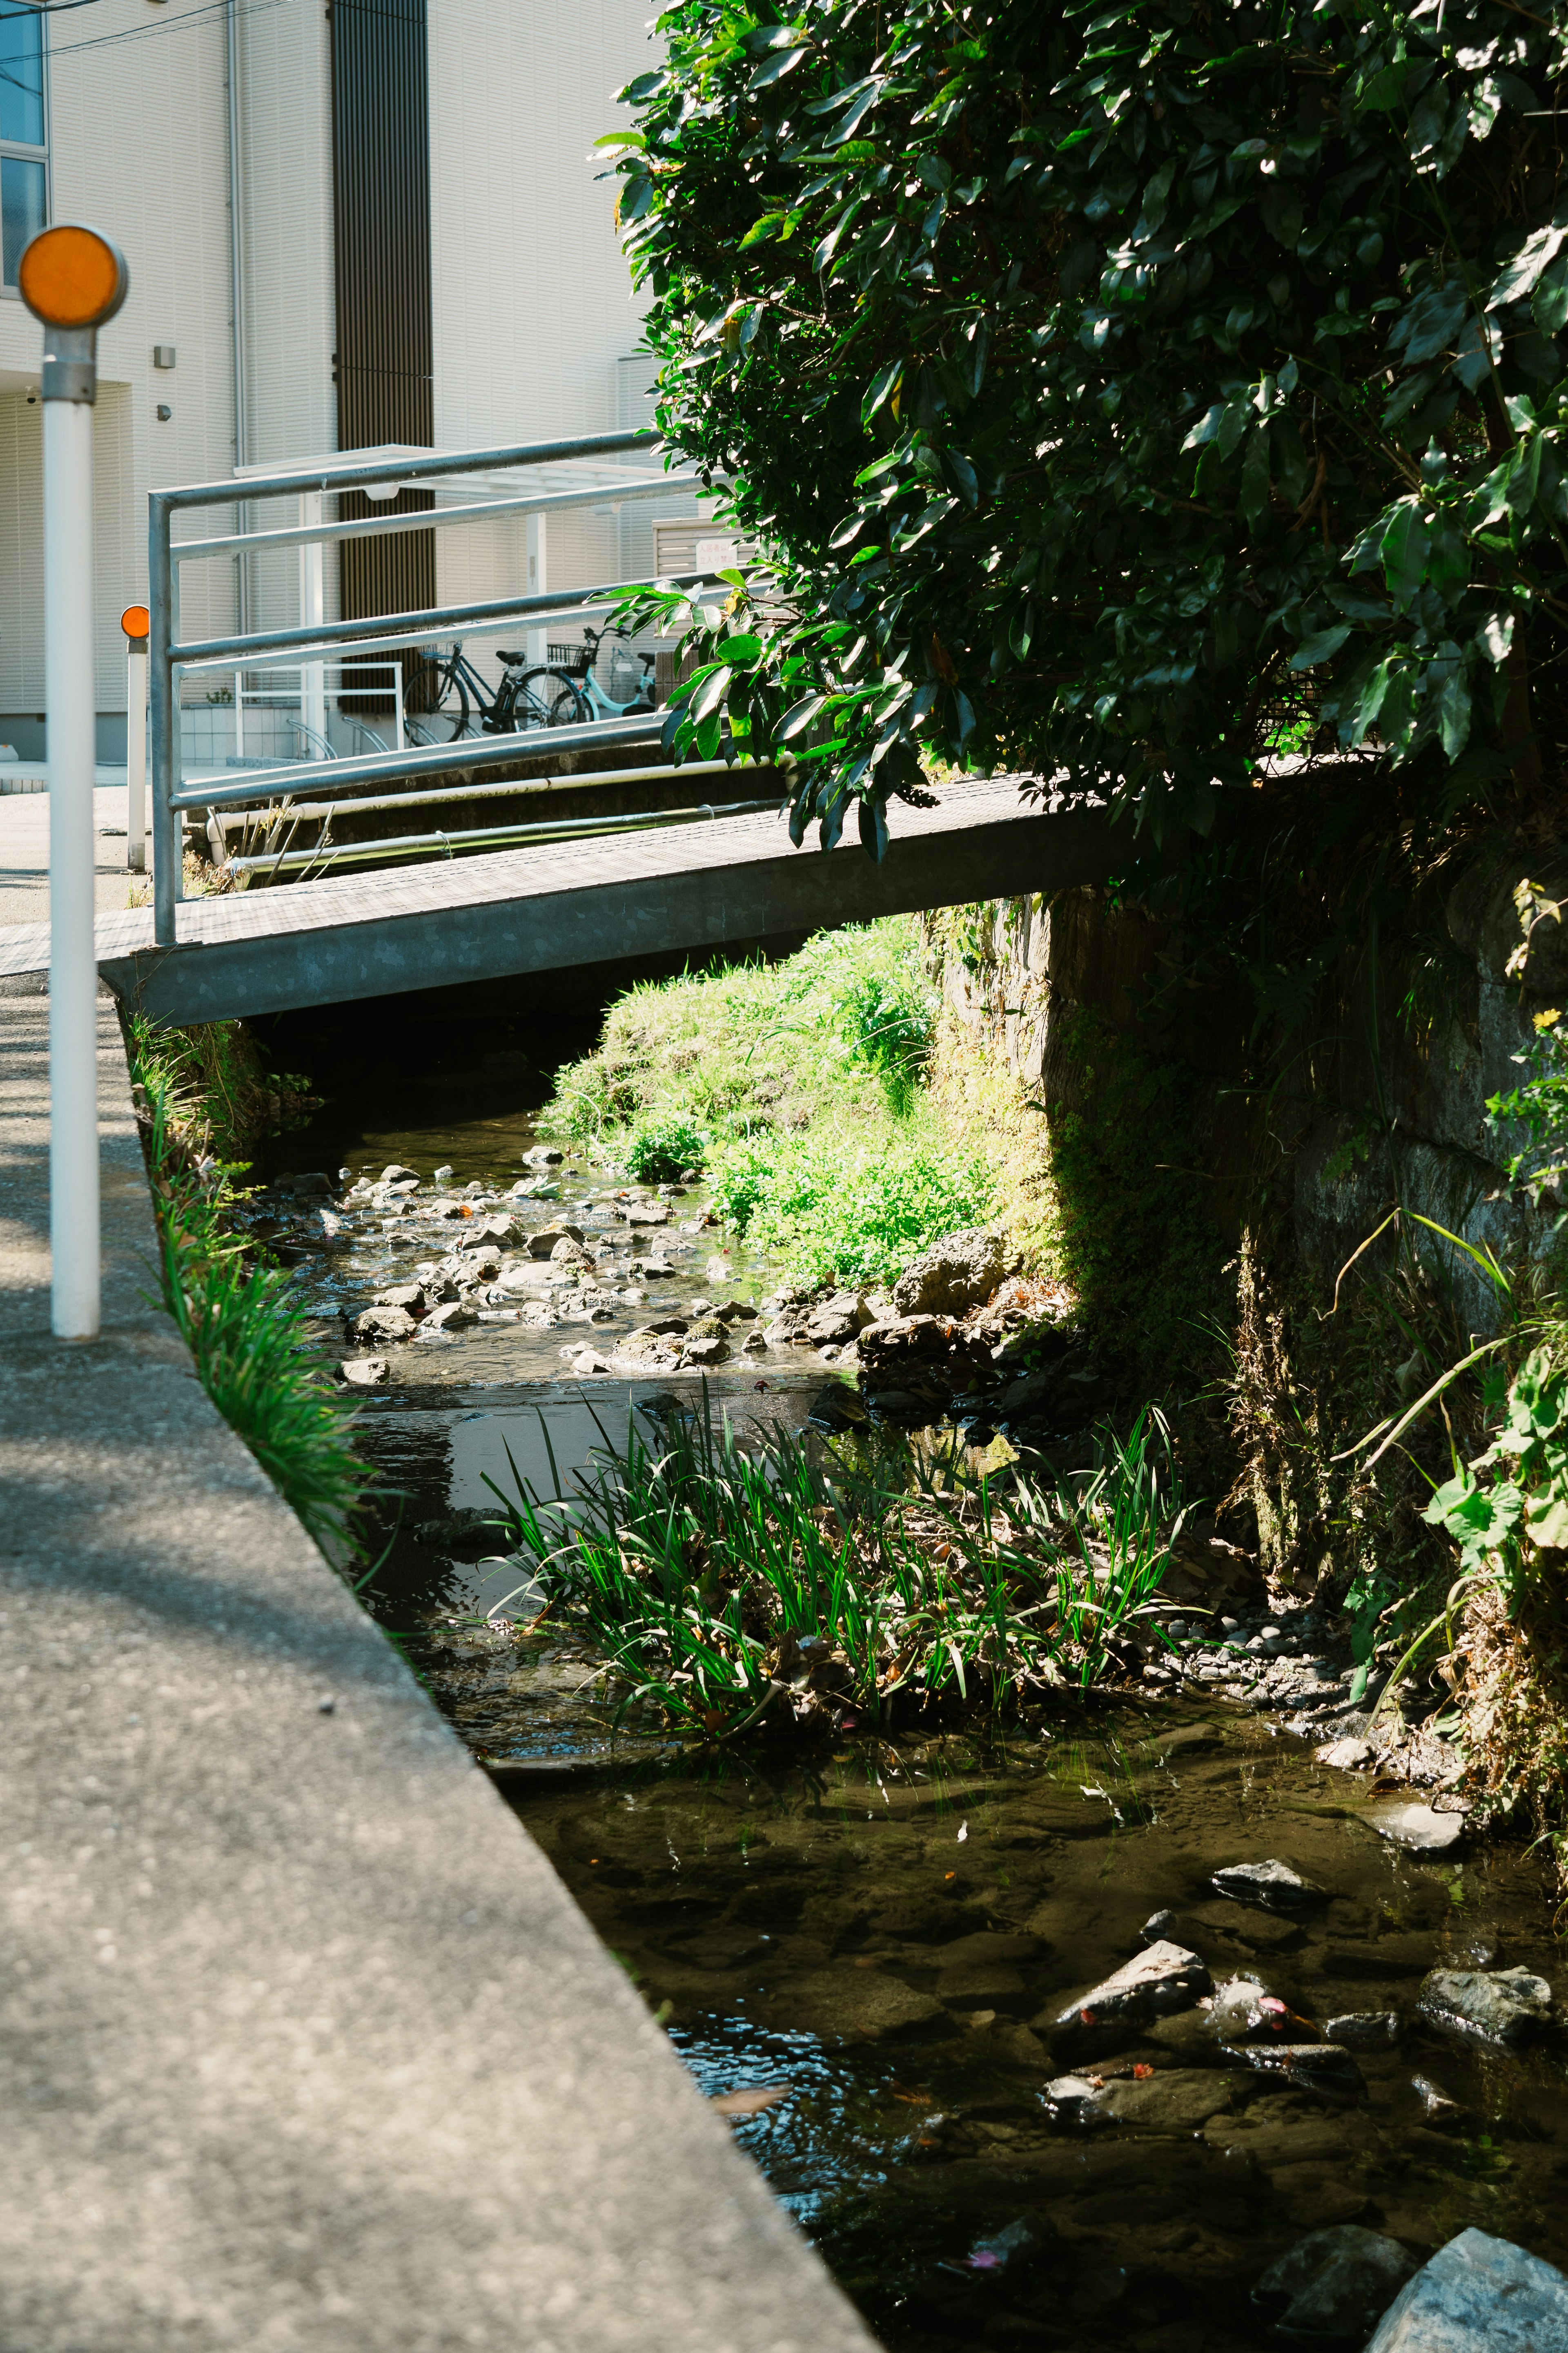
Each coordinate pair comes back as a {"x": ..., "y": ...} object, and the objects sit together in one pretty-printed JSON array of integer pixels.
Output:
[{"x": 303, "y": 2047}]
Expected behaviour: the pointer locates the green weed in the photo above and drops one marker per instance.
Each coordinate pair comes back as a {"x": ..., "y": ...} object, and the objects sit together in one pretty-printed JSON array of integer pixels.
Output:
[
  {"x": 740, "y": 1583},
  {"x": 251, "y": 1345}
]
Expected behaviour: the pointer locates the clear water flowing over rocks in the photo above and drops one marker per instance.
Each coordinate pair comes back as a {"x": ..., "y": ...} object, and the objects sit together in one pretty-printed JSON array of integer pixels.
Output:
[{"x": 1148, "y": 2027}]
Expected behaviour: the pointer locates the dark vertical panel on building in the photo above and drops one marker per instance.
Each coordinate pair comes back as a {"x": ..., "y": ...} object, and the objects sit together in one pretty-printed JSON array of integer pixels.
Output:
[{"x": 380, "y": 186}]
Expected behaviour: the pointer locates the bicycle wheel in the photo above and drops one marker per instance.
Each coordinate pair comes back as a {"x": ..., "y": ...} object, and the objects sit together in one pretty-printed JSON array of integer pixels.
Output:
[
  {"x": 446, "y": 716},
  {"x": 548, "y": 698}
]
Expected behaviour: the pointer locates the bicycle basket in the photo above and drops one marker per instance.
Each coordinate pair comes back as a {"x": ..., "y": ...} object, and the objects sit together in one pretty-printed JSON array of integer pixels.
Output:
[{"x": 566, "y": 657}]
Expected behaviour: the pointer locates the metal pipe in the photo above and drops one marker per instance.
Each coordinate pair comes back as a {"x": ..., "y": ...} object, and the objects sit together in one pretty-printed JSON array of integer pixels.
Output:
[
  {"x": 372, "y": 468},
  {"x": 167, "y": 849},
  {"x": 308, "y": 812},
  {"x": 237, "y": 299},
  {"x": 136, "y": 755},
  {"x": 73, "y": 966},
  {"x": 414, "y": 628},
  {"x": 426, "y": 759},
  {"x": 409, "y": 845},
  {"x": 369, "y": 526}
]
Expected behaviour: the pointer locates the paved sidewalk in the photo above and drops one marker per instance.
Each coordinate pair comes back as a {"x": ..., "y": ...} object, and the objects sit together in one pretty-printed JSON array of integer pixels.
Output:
[
  {"x": 24, "y": 855},
  {"x": 303, "y": 2047}
]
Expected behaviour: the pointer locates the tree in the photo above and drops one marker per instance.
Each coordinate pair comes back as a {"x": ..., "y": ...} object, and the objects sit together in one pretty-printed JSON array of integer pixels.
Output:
[{"x": 1121, "y": 389}]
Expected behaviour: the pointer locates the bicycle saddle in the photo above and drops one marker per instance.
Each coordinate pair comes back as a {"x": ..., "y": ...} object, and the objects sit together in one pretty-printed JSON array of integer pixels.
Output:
[{"x": 510, "y": 659}]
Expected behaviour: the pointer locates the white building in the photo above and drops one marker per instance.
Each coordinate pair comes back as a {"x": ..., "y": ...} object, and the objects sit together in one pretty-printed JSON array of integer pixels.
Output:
[{"x": 348, "y": 223}]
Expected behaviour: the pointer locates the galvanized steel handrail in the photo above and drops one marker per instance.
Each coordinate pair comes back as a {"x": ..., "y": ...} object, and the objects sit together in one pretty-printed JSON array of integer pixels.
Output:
[
  {"x": 291, "y": 481},
  {"x": 415, "y": 629},
  {"x": 432, "y": 759},
  {"x": 637, "y": 486},
  {"x": 167, "y": 656}
]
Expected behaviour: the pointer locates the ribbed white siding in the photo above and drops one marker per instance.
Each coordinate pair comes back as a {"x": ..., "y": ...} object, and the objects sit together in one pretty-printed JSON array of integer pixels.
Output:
[
  {"x": 535, "y": 310},
  {"x": 138, "y": 135},
  {"x": 535, "y": 317},
  {"x": 286, "y": 148}
]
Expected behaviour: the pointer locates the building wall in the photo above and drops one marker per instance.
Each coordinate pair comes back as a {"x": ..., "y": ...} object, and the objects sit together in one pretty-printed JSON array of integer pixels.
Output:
[
  {"x": 138, "y": 138},
  {"x": 534, "y": 309},
  {"x": 534, "y": 314}
]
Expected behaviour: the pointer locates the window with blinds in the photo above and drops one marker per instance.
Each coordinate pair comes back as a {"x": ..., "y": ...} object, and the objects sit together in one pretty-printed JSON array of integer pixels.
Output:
[{"x": 24, "y": 141}]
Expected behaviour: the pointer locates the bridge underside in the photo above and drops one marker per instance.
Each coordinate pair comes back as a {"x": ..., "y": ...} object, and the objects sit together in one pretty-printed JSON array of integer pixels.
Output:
[{"x": 550, "y": 907}]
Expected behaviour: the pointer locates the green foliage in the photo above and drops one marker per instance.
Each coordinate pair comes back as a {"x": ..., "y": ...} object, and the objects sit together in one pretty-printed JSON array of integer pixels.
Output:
[
  {"x": 841, "y": 1206},
  {"x": 1100, "y": 382},
  {"x": 759, "y": 1047},
  {"x": 1540, "y": 1103},
  {"x": 1510, "y": 1503},
  {"x": 773, "y": 1583},
  {"x": 250, "y": 1340},
  {"x": 801, "y": 1086},
  {"x": 657, "y": 1150},
  {"x": 217, "y": 1092}
]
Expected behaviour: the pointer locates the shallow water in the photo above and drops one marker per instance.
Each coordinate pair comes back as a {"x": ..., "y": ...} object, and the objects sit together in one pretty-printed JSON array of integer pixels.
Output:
[
  {"x": 775, "y": 1916},
  {"x": 806, "y": 1923}
]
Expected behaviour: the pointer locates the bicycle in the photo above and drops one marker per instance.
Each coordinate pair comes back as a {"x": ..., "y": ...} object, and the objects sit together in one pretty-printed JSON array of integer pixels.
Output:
[
  {"x": 525, "y": 699},
  {"x": 579, "y": 670}
]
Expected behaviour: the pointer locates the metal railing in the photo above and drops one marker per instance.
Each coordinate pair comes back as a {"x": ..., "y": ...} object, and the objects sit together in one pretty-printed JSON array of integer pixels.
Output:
[{"x": 170, "y": 658}]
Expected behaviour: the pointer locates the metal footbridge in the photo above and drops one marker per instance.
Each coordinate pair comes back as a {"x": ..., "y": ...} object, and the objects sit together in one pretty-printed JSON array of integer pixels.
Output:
[{"x": 719, "y": 869}]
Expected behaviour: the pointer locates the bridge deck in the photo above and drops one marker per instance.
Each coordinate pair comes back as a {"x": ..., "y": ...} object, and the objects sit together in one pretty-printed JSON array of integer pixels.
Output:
[{"x": 555, "y": 905}]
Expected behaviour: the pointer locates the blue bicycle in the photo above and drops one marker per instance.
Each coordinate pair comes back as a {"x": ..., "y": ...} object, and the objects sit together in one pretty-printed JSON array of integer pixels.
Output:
[{"x": 575, "y": 665}]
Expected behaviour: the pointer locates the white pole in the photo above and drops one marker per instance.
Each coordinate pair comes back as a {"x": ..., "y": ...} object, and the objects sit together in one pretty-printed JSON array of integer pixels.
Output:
[
  {"x": 136, "y": 754},
  {"x": 538, "y": 543},
  {"x": 73, "y": 967},
  {"x": 312, "y": 611}
]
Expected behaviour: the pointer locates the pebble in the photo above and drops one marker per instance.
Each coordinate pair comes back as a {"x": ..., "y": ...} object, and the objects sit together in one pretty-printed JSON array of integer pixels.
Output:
[
  {"x": 1504, "y": 2006},
  {"x": 1273, "y": 1885}
]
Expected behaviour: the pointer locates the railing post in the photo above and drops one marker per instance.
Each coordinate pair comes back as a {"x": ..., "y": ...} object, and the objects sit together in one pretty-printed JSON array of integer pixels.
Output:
[
  {"x": 168, "y": 878},
  {"x": 133, "y": 621}
]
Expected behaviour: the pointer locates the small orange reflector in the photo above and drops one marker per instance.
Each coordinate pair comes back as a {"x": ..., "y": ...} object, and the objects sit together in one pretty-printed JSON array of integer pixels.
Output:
[
  {"x": 136, "y": 620},
  {"x": 69, "y": 276}
]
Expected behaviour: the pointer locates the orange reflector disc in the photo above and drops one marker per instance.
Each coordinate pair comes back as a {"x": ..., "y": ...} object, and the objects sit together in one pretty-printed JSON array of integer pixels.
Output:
[
  {"x": 136, "y": 620},
  {"x": 69, "y": 276}
]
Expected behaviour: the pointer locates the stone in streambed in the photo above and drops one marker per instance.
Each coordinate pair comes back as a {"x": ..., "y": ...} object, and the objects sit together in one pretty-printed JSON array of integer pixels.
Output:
[
  {"x": 1308, "y": 2066},
  {"x": 956, "y": 1273},
  {"x": 836, "y": 1319},
  {"x": 454, "y": 1316},
  {"x": 1438, "y": 2106},
  {"x": 1501, "y": 2006},
  {"x": 1166, "y": 1978},
  {"x": 1245, "y": 2012},
  {"x": 385, "y": 1324},
  {"x": 410, "y": 1295},
  {"x": 570, "y": 1254},
  {"x": 491, "y": 1234},
  {"x": 853, "y": 2005},
  {"x": 1273, "y": 1885},
  {"x": 1478, "y": 2295},
  {"x": 1334, "y": 2285},
  {"x": 1160, "y": 1928},
  {"x": 543, "y": 1243},
  {"x": 1420, "y": 1828},
  {"x": 1365, "y": 2030},
  {"x": 364, "y": 1372},
  {"x": 1173, "y": 2101},
  {"x": 1347, "y": 1756}
]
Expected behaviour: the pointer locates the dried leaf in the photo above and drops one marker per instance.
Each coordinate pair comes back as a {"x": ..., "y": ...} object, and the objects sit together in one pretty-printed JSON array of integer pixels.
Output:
[{"x": 749, "y": 2103}]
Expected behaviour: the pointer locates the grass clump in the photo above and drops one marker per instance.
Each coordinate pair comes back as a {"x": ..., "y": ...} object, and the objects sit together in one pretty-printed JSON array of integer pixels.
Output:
[
  {"x": 659, "y": 1150},
  {"x": 840, "y": 1209},
  {"x": 218, "y": 1093},
  {"x": 249, "y": 1340},
  {"x": 780, "y": 1585},
  {"x": 803, "y": 1089}
]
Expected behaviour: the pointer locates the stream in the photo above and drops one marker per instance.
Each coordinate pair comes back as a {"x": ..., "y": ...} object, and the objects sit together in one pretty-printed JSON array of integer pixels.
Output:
[{"x": 877, "y": 1954}]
